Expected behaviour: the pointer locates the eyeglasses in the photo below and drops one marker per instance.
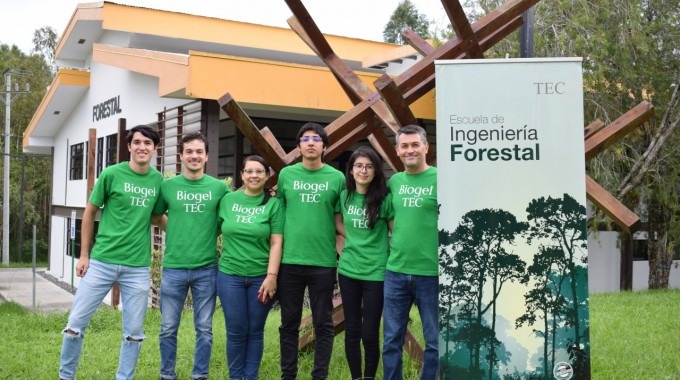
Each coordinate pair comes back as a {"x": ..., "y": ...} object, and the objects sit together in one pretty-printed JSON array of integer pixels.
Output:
[
  {"x": 251, "y": 171},
  {"x": 361, "y": 167},
  {"x": 307, "y": 138}
]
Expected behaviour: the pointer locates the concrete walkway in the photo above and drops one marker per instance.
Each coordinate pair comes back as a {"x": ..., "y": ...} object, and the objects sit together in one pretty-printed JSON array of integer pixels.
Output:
[{"x": 16, "y": 284}]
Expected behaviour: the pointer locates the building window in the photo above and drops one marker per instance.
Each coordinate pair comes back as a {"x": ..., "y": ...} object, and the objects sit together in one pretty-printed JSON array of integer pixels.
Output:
[
  {"x": 225, "y": 166},
  {"x": 100, "y": 156},
  {"x": 111, "y": 152},
  {"x": 76, "y": 167},
  {"x": 76, "y": 240},
  {"x": 641, "y": 247},
  {"x": 106, "y": 154}
]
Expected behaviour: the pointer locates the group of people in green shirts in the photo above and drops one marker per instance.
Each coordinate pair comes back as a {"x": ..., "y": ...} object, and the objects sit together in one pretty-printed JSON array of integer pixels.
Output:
[{"x": 316, "y": 209}]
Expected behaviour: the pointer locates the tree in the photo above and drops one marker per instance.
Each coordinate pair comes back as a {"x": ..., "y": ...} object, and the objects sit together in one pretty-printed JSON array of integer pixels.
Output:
[
  {"x": 447, "y": 318},
  {"x": 631, "y": 53},
  {"x": 405, "y": 16},
  {"x": 545, "y": 299},
  {"x": 37, "y": 180},
  {"x": 45, "y": 44},
  {"x": 559, "y": 223},
  {"x": 480, "y": 245}
]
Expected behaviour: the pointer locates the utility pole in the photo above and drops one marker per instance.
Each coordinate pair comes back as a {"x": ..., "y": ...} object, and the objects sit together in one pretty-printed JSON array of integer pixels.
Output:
[
  {"x": 526, "y": 34},
  {"x": 10, "y": 95}
]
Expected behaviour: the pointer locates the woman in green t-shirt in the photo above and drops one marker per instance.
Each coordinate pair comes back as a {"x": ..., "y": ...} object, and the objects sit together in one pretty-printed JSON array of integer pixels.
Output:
[
  {"x": 365, "y": 207},
  {"x": 252, "y": 238}
]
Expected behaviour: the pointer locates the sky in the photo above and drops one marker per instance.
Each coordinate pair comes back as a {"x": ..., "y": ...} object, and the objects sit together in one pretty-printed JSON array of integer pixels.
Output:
[{"x": 363, "y": 19}]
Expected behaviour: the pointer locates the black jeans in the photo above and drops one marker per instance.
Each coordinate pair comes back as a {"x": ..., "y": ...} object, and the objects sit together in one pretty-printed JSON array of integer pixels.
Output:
[
  {"x": 362, "y": 328},
  {"x": 292, "y": 281}
]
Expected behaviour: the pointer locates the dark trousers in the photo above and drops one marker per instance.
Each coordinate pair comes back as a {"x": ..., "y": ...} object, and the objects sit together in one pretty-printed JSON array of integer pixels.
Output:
[
  {"x": 362, "y": 327},
  {"x": 292, "y": 281}
]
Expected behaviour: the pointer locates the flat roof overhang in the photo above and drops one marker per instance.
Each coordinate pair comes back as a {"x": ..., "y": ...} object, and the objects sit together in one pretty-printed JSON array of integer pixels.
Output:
[
  {"x": 258, "y": 85},
  {"x": 66, "y": 90}
]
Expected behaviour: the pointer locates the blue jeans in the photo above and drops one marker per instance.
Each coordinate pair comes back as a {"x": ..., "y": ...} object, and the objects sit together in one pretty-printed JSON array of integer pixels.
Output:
[
  {"x": 97, "y": 282},
  {"x": 175, "y": 284},
  {"x": 245, "y": 317},
  {"x": 401, "y": 291}
]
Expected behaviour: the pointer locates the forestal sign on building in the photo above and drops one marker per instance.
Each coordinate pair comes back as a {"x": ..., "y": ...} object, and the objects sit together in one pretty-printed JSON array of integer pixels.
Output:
[{"x": 513, "y": 248}]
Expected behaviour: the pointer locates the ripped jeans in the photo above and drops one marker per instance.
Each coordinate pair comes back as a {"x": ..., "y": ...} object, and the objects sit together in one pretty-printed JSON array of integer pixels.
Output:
[{"x": 97, "y": 282}]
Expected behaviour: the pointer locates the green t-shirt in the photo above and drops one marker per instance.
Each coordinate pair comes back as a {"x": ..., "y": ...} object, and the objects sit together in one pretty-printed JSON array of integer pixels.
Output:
[
  {"x": 127, "y": 198},
  {"x": 311, "y": 199},
  {"x": 191, "y": 231},
  {"x": 246, "y": 228},
  {"x": 365, "y": 252},
  {"x": 415, "y": 235}
]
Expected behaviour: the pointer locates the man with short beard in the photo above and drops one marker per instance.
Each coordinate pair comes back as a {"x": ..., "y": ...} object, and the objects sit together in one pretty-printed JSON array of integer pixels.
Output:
[
  {"x": 191, "y": 200},
  {"x": 412, "y": 274}
]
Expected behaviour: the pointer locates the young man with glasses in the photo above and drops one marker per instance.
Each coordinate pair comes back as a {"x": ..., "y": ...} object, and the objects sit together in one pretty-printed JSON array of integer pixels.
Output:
[
  {"x": 412, "y": 267},
  {"x": 126, "y": 194},
  {"x": 310, "y": 190},
  {"x": 191, "y": 200}
]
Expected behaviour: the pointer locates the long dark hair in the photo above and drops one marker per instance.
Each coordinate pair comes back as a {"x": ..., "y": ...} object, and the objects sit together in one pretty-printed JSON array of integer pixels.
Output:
[
  {"x": 377, "y": 190},
  {"x": 267, "y": 170}
]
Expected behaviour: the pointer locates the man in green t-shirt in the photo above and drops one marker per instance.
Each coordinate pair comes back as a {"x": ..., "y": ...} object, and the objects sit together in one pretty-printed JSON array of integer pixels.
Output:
[
  {"x": 412, "y": 267},
  {"x": 311, "y": 191},
  {"x": 126, "y": 194},
  {"x": 191, "y": 201}
]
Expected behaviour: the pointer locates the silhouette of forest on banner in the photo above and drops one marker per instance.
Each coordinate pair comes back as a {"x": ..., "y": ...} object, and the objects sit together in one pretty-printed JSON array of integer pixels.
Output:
[{"x": 479, "y": 260}]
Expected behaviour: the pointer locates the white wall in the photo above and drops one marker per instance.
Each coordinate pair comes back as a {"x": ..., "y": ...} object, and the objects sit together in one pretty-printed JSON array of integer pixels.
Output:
[
  {"x": 58, "y": 245},
  {"x": 139, "y": 103},
  {"x": 604, "y": 263},
  {"x": 641, "y": 275}
]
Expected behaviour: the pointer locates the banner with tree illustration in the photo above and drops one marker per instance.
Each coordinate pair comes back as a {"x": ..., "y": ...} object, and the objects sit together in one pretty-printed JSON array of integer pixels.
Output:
[{"x": 512, "y": 223}]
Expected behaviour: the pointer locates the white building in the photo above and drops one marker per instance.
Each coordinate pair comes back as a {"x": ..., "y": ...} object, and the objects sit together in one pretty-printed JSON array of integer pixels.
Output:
[{"x": 121, "y": 66}]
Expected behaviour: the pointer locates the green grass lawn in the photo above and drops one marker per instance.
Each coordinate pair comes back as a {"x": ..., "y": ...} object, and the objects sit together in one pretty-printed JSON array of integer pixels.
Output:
[
  {"x": 633, "y": 336},
  {"x": 40, "y": 265}
]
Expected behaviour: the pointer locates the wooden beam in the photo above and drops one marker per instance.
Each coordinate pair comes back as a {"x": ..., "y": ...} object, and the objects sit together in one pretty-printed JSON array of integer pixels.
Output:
[
  {"x": 462, "y": 27},
  {"x": 592, "y": 128},
  {"x": 394, "y": 100},
  {"x": 496, "y": 36},
  {"x": 611, "y": 206},
  {"x": 417, "y": 42},
  {"x": 382, "y": 144},
  {"x": 428, "y": 84},
  {"x": 338, "y": 316},
  {"x": 342, "y": 126},
  {"x": 311, "y": 32},
  {"x": 346, "y": 141},
  {"x": 360, "y": 114},
  {"x": 353, "y": 86},
  {"x": 91, "y": 163},
  {"x": 251, "y": 132},
  {"x": 210, "y": 127},
  {"x": 486, "y": 26},
  {"x": 419, "y": 90},
  {"x": 413, "y": 348},
  {"x": 423, "y": 69},
  {"x": 123, "y": 152},
  {"x": 618, "y": 129},
  {"x": 274, "y": 143}
]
